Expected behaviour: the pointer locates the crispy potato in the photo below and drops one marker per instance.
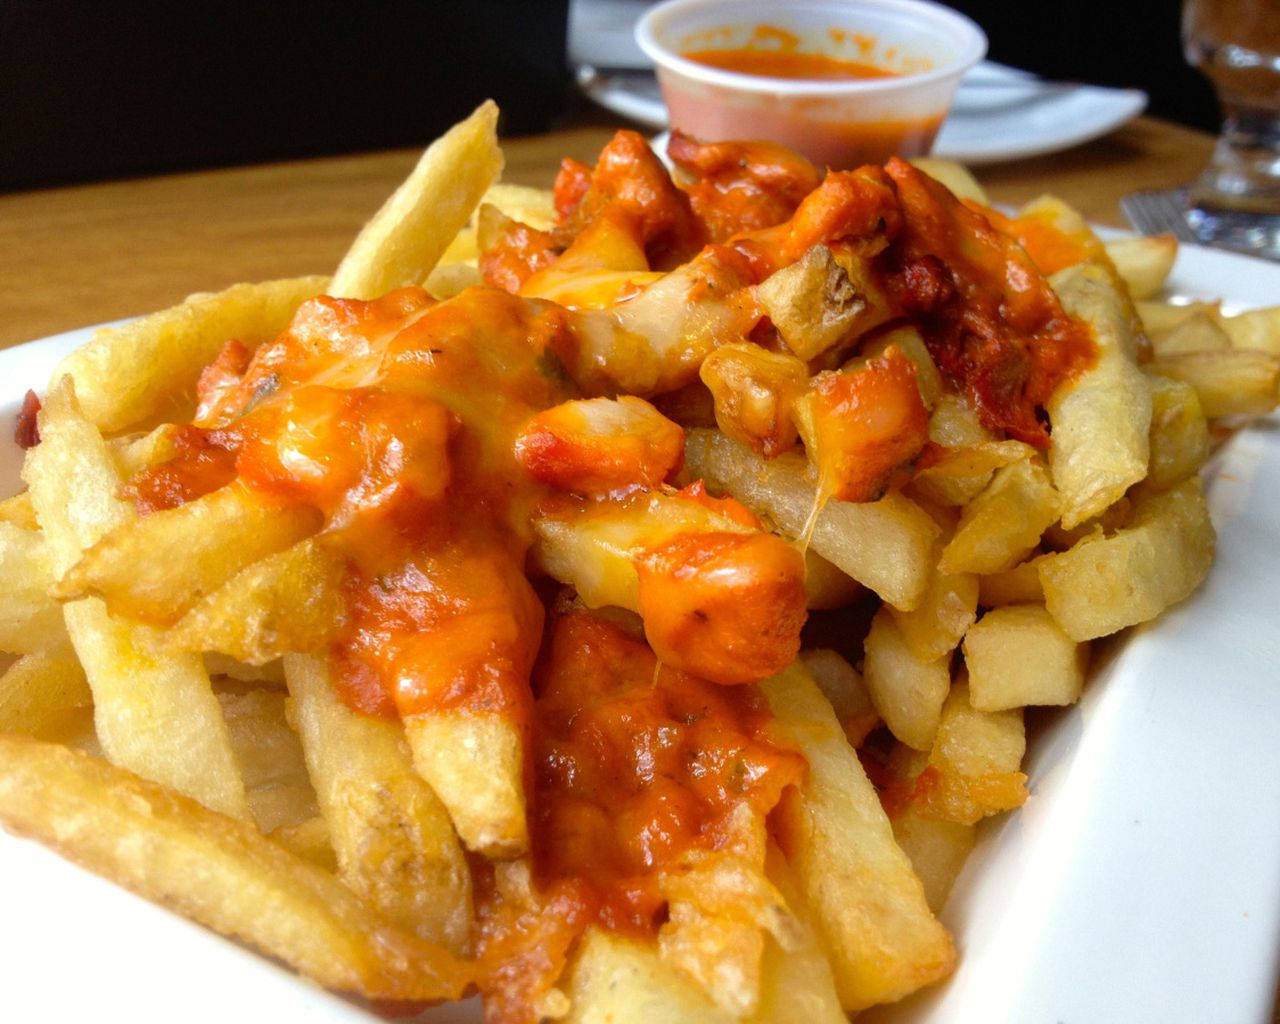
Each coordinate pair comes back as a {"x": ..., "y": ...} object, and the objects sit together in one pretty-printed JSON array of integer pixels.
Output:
[
  {"x": 40, "y": 690},
  {"x": 1254, "y": 329},
  {"x": 155, "y": 711},
  {"x": 269, "y": 754},
  {"x": 975, "y": 762},
  {"x": 1004, "y": 522},
  {"x": 1238, "y": 382},
  {"x": 17, "y": 511},
  {"x": 310, "y": 841},
  {"x": 394, "y": 842},
  {"x": 868, "y": 907},
  {"x": 286, "y": 603},
  {"x": 214, "y": 869},
  {"x": 1143, "y": 262},
  {"x": 1179, "y": 433},
  {"x": 935, "y": 626},
  {"x": 814, "y": 305},
  {"x": 1018, "y": 655},
  {"x": 1019, "y": 585},
  {"x": 1159, "y": 317},
  {"x": 532, "y": 206},
  {"x": 135, "y": 452},
  {"x": 720, "y": 907},
  {"x": 475, "y": 762},
  {"x": 1102, "y": 418},
  {"x": 1104, "y": 584},
  {"x": 154, "y": 569},
  {"x": 753, "y": 391},
  {"x": 959, "y": 181},
  {"x": 845, "y": 691},
  {"x": 448, "y": 279},
  {"x": 825, "y": 585},
  {"x": 1199, "y": 332},
  {"x": 623, "y": 981},
  {"x": 885, "y": 545},
  {"x": 145, "y": 372},
  {"x": 30, "y": 620},
  {"x": 796, "y": 984},
  {"x": 937, "y": 849},
  {"x": 406, "y": 237},
  {"x": 906, "y": 689}
]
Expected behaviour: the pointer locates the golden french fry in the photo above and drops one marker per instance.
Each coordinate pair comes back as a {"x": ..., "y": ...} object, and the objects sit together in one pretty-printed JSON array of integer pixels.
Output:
[
  {"x": 957, "y": 178},
  {"x": 406, "y": 237},
  {"x": 30, "y": 620},
  {"x": 155, "y": 712},
  {"x": 623, "y": 981},
  {"x": 286, "y": 603},
  {"x": 1159, "y": 317},
  {"x": 910, "y": 342},
  {"x": 144, "y": 372},
  {"x": 906, "y": 689},
  {"x": 885, "y": 545},
  {"x": 1019, "y": 585},
  {"x": 154, "y": 569},
  {"x": 845, "y": 691},
  {"x": 18, "y": 511},
  {"x": 1179, "y": 433},
  {"x": 1018, "y": 655},
  {"x": 1004, "y": 522},
  {"x": 219, "y": 871},
  {"x": 1104, "y": 584},
  {"x": 310, "y": 841},
  {"x": 1199, "y": 332},
  {"x": 394, "y": 842},
  {"x": 269, "y": 754},
  {"x": 1236, "y": 382},
  {"x": 39, "y": 691},
  {"x": 1143, "y": 262},
  {"x": 1101, "y": 419},
  {"x": 814, "y": 305},
  {"x": 1254, "y": 329},
  {"x": 937, "y": 850},
  {"x": 475, "y": 762},
  {"x": 949, "y": 606},
  {"x": 868, "y": 906}
]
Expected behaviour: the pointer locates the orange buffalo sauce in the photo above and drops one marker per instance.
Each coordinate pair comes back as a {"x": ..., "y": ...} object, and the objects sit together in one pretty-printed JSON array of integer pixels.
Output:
[
  {"x": 773, "y": 63},
  {"x": 636, "y": 764}
]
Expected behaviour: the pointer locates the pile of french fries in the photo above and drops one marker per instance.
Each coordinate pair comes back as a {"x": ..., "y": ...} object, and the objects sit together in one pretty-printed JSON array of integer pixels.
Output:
[{"x": 169, "y": 718}]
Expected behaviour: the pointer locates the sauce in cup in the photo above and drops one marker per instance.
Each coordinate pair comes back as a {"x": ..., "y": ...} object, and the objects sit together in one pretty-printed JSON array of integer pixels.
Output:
[{"x": 846, "y": 82}]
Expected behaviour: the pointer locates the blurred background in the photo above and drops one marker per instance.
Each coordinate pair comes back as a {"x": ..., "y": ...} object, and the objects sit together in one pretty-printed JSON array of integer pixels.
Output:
[{"x": 92, "y": 91}]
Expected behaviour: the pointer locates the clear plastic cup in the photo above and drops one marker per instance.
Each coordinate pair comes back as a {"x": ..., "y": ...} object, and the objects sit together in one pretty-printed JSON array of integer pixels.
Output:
[{"x": 838, "y": 123}]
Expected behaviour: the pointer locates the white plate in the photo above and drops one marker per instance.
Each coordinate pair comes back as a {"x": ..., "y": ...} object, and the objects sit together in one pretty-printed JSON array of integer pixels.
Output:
[
  {"x": 999, "y": 113},
  {"x": 1141, "y": 881}
]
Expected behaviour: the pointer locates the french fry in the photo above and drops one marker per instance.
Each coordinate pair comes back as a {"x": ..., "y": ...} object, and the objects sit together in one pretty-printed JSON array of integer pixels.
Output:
[
  {"x": 1159, "y": 317},
  {"x": 406, "y": 237},
  {"x": 30, "y": 621},
  {"x": 39, "y": 691},
  {"x": 155, "y": 712},
  {"x": 957, "y": 178},
  {"x": 17, "y": 511},
  {"x": 937, "y": 850},
  {"x": 1179, "y": 433},
  {"x": 155, "y": 568},
  {"x": 1143, "y": 261},
  {"x": 1019, "y": 585},
  {"x": 868, "y": 906},
  {"x": 269, "y": 754},
  {"x": 475, "y": 762},
  {"x": 885, "y": 545},
  {"x": 1104, "y": 584},
  {"x": 1238, "y": 382},
  {"x": 1199, "y": 332},
  {"x": 910, "y": 343},
  {"x": 394, "y": 842},
  {"x": 947, "y": 610},
  {"x": 1100, "y": 420},
  {"x": 219, "y": 871},
  {"x": 623, "y": 981},
  {"x": 1017, "y": 656},
  {"x": 814, "y": 305},
  {"x": 845, "y": 691},
  {"x": 1004, "y": 522},
  {"x": 144, "y": 372},
  {"x": 286, "y": 603},
  {"x": 1254, "y": 329},
  {"x": 906, "y": 689}
]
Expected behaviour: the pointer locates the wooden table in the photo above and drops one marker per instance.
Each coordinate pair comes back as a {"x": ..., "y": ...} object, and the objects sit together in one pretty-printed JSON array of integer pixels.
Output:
[{"x": 76, "y": 256}]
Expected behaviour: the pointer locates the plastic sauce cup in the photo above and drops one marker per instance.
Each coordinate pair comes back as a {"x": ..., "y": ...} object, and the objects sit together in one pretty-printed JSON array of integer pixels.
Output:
[{"x": 837, "y": 122}]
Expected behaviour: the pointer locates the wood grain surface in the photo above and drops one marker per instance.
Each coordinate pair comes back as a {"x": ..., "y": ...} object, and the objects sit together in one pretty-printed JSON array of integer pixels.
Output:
[{"x": 71, "y": 257}]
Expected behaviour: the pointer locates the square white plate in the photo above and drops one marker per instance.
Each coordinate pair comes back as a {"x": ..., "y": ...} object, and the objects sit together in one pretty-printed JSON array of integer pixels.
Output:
[{"x": 1141, "y": 881}]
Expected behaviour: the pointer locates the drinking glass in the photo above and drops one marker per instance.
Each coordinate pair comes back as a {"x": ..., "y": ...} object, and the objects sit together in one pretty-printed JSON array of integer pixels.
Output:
[{"x": 1236, "y": 44}]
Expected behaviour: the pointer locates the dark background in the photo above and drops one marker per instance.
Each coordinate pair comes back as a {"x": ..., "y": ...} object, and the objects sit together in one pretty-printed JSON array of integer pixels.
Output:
[{"x": 91, "y": 91}]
